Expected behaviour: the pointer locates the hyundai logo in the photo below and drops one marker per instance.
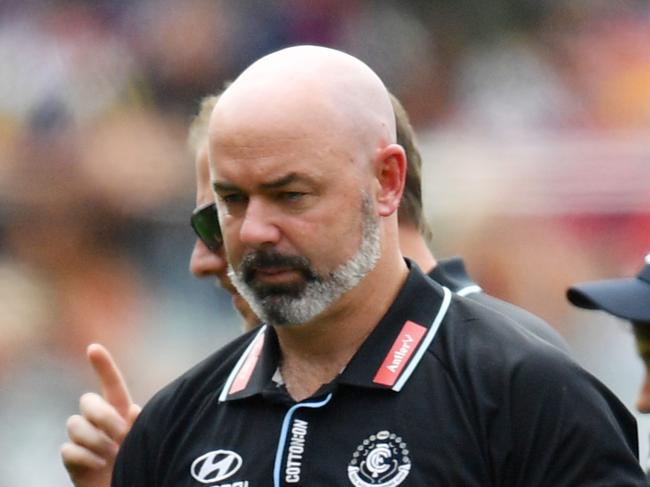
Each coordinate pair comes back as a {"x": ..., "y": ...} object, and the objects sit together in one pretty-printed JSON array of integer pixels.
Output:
[{"x": 215, "y": 466}]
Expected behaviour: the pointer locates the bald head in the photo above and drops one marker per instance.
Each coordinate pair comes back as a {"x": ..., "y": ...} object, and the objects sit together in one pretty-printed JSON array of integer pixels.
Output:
[
  {"x": 307, "y": 91},
  {"x": 307, "y": 180}
]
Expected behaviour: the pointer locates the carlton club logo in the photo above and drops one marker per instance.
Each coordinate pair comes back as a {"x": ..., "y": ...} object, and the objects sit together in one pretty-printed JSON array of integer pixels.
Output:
[
  {"x": 215, "y": 466},
  {"x": 380, "y": 460}
]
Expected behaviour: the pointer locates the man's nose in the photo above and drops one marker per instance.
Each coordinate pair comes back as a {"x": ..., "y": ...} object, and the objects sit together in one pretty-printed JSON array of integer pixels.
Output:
[
  {"x": 259, "y": 226},
  {"x": 205, "y": 263}
]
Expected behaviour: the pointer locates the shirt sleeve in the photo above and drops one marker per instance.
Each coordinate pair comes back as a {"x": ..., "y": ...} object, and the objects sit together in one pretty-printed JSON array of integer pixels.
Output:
[
  {"x": 540, "y": 418},
  {"x": 567, "y": 428},
  {"x": 133, "y": 465}
]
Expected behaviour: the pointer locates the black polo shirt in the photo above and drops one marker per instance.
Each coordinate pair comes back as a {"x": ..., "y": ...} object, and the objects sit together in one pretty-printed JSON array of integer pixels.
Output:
[
  {"x": 443, "y": 392},
  {"x": 451, "y": 273}
]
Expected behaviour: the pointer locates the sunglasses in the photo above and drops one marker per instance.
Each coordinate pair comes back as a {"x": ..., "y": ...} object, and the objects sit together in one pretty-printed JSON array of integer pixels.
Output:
[{"x": 205, "y": 222}]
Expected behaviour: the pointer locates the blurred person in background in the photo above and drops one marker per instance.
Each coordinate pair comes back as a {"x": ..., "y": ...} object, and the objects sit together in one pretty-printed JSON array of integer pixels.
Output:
[
  {"x": 98, "y": 431},
  {"x": 628, "y": 299},
  {"x": 208, "y": 258},
  {"x": 95, "y": 434}
]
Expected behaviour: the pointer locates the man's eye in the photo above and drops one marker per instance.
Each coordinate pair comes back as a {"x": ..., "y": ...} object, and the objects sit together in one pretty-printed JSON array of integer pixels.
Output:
[
  {"x": 233, "y": 198},
  {"x": 292, "y": 195}
]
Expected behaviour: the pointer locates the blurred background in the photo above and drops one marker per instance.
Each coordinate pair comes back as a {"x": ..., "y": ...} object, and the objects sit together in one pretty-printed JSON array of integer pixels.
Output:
[{"x": 534, "y": 122}]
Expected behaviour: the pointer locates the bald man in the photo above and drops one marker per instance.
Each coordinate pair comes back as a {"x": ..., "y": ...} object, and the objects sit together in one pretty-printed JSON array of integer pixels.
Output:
[
  {"x": 97, "y": 431},
  {"x": 365, "y": 372}
]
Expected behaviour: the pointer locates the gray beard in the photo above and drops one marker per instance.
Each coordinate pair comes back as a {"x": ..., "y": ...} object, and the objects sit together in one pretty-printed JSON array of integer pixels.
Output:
[{"x": 319, "y": 293}]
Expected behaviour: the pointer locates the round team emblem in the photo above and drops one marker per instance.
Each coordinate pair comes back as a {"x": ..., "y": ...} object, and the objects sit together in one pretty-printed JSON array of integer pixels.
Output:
[{"x": 380, "y": 460}]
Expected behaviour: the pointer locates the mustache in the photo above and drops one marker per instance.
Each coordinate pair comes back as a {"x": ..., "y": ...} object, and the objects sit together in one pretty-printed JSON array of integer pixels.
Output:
[{"x": 265, "y": 259}]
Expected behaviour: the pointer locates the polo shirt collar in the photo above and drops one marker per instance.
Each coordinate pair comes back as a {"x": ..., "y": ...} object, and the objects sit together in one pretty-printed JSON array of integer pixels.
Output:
[
  {"x": 451, "y": 273},
  {"x": 395, "y": 347},
  {"x": 385, "y": 360}
]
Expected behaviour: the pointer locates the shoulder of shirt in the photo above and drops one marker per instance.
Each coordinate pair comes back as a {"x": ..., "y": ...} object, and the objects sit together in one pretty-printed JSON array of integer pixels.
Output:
[
  {"x": 509, "y": 310},
  {"x": 485, "y": 352},
  {"x": 477, "y": 336},
  {"x": 453, "y": 274},
  {"x": 523, "y": 318},
  {"x": 476, "y": 332}
]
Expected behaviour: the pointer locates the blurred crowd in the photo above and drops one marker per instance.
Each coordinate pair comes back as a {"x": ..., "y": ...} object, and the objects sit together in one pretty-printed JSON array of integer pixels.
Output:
[{"x": 534, "y": 120}]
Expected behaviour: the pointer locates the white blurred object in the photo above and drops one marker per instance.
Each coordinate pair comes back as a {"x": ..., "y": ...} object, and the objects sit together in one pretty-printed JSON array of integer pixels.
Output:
[{"x": 539, "y": 173}]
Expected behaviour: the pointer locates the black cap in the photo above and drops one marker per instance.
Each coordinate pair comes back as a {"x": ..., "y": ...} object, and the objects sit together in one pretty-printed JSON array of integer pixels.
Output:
[{"x": 627, "y": 298}]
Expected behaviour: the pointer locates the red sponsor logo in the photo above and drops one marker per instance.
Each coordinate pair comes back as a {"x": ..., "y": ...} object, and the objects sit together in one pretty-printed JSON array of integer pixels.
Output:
[{"x": 400, "y": 353}]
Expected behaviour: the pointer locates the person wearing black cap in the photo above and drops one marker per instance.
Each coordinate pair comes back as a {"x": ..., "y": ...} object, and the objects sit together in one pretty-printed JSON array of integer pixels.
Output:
[{"x": 629, "y": 299}]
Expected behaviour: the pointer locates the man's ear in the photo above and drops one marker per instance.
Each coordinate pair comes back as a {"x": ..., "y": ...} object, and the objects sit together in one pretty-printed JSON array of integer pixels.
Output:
[{"x": 390, "y": 171}]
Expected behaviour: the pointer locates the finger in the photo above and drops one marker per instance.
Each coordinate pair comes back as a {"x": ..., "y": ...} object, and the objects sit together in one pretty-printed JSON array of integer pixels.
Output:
[
  {"x": 134, "y": 412},
  {"x": 76, "y": 457},
  {"x": 113, "y": 386},
  {"x": 86, "y": 435},
  {"x": 104, "y": 416}
]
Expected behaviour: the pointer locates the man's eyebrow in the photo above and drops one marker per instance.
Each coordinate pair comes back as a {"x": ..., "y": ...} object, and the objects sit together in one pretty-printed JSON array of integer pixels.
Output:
[{"x": 219, "y": 186}]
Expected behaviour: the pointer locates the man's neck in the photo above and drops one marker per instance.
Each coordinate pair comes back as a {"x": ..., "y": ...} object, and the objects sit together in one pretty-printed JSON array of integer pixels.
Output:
[
  {"x": 313, "y": 354},
  {"x": 414, "y": 246}
]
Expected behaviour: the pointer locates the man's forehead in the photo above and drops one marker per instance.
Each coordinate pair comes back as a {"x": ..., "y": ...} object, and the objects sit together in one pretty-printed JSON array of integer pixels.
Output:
[
  {"x": 247, "y": 144},
  {"x": 284, "y": 118},
  {"x": 281, "y": 147},
  {"x": 267, "y": 130}
]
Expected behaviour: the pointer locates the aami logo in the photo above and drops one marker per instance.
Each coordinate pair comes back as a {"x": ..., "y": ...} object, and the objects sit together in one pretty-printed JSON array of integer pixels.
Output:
[{"x": 215, "y": 466}]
